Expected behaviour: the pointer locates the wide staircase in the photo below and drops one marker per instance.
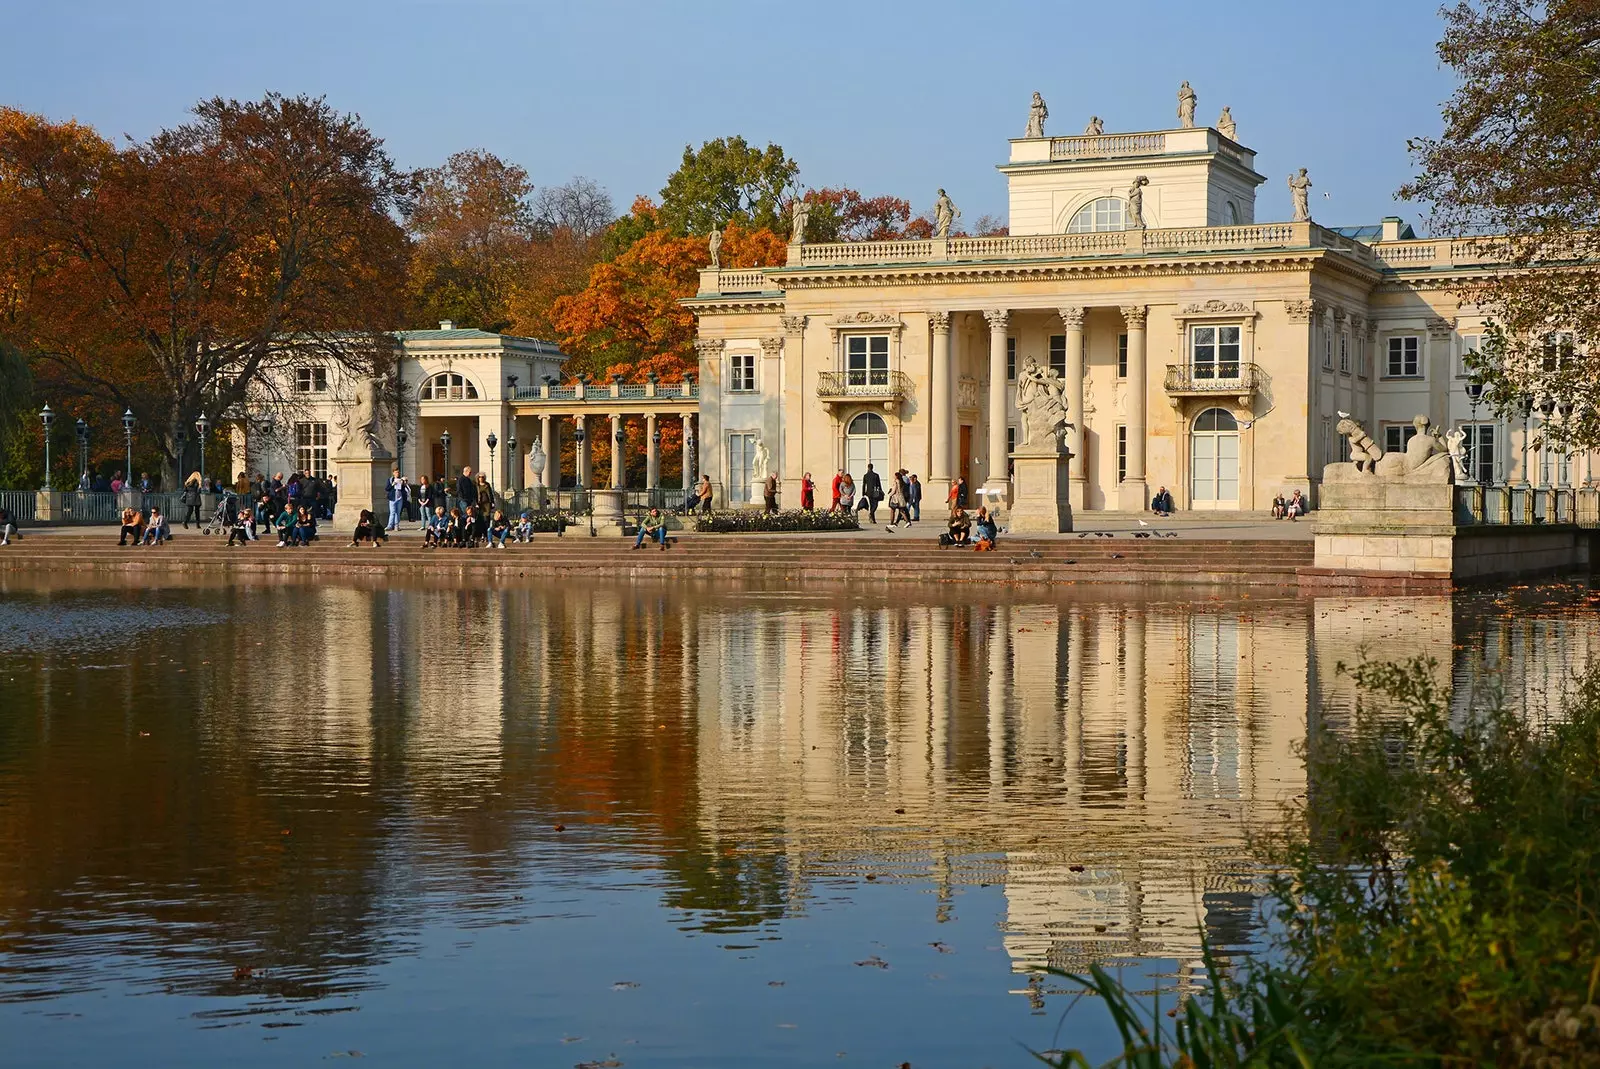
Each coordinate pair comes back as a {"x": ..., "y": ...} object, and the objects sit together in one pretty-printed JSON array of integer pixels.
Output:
[{"x": 914, "y": 557}]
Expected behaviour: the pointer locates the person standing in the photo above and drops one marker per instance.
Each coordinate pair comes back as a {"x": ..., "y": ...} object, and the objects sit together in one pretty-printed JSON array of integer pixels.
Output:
[
  {"x": 897, "y": 504},
  {"x": 191, "y": 500},
  {"x": 398, "y": 492},
  {"x": 769, "y": 492},
  {"x": 847, "y": 492},
  {"x": 914, "y": 498},
  {"x": 838, "y": 481},
  {"x": 872, "y": 490},
  {"x": 466, "y": 489},
  {"x": 808, "y": 493},
  {"x": 485, "y": 494},
  {"x": 704, "y": 495}
]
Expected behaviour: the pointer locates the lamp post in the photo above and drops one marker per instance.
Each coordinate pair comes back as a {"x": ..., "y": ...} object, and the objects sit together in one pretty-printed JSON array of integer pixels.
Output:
[
  {"x": 1474, "y": 398},
  {"x": 491, "y": 442},
  {"x": 83, "y": 455},
  {"x": 127, "y": 435},
  {"x": 400, "y": 448},
  {"x": 1564, "y": 470},
  {"x": 444, "y": 442},
  {"x": 577, "y": 437},
  {"x": 47, "y": 417},
  {"x": 513, "y": 461},
  {"x": 1525, "y": 403},
  {"x": 1547, "y": 408},
  {"x": 202, "y": 428}
]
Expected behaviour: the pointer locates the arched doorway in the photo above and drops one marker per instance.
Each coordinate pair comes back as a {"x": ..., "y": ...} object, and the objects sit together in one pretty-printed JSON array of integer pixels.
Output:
[
  {"x": 866, "y": 441},
  {"x": 1214, "y": 461}
]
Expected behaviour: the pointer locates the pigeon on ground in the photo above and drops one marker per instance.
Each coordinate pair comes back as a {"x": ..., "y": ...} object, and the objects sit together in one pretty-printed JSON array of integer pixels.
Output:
[{"x": 1144, "y": 523}]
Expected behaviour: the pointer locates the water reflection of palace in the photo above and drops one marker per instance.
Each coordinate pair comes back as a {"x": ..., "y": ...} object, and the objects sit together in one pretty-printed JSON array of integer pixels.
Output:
[{"x": 1099, "y": 759}]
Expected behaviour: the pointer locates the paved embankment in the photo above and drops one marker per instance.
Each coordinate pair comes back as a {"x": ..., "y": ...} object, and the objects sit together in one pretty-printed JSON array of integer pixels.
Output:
[{"x": 856, "y": 559}]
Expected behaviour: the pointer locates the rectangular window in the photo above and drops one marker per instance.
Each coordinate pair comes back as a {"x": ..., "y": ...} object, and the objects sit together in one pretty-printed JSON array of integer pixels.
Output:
[
  {"x": 1404, "y": 359},
  {"x": 1344, "y": 353},
  {"x": 1122, "y": 356},
  {"x": 1396, "y": 435},
  {"x": 867, "y": 360},
  {"x": 311, "y": 448},
  {"x": 1361, "y": 361},
  {"x": 311, "y": 380},
  {"x": 1481, "y": 457},
  {"x": 741, "y": 463},
  {"x": 1327, "y": 440},
  {"x": 1011, "y": 440},
  {"x": 1058, "y": 354},
  {"x": 1327, "y": 349},
  {"x": 1122, "y": 452},
  {"x": 742, "y": 373},
  {"x": 1011, "y": 360},
  {"x": 1215, "y": 353},
  {"x": 1558, "y": 351},
  {"x": 1470, "y": 346}
]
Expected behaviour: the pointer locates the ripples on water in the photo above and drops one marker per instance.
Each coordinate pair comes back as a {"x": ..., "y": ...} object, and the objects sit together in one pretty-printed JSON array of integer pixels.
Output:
[{"x": 660, "y": 826}]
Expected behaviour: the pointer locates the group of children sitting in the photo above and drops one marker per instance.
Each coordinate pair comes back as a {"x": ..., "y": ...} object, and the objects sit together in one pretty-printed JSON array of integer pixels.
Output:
[{"x": 471, "y": 528}]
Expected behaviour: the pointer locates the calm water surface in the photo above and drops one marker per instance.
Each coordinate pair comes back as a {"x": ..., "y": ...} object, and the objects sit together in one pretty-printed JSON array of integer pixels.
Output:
[{"x": 556, "y": 826}]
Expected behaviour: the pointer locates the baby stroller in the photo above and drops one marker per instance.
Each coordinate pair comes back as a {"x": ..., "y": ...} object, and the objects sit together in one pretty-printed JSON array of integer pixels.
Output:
[{"x": 222, "y": 519}]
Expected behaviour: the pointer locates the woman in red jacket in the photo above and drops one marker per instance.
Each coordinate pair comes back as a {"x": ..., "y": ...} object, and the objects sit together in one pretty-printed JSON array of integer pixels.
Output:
[{"x": 808, "y": 493}]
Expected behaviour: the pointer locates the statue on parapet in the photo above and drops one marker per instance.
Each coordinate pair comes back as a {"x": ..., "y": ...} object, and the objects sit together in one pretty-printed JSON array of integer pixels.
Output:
[
  {"x": 944, "y": 215},
  {"x": 1186, "y": 102},
  {"x": 1300, "y": 190},
  {"x": 1037, "y": 114},
  {"x": 799, "y": 215},
  {"x": 715, "y": 244},
  {"x": 1042, "y": 400},
  {"x": 1455, "y": 442},
  {"x": 1226, "y": 126},
  {"x": 1136, "y": 203},
  {"x": 1095, "y": 127}
]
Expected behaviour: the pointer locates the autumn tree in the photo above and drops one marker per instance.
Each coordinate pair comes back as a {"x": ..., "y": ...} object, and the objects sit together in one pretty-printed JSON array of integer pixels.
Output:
[
  {"x": 178, "y": 275},
  {"x": 474, "y": 226},
  {"x": 572, "y": 222},
  {"x": 580, "y": 207},
  {"x": 843, "y": 214},
  {"x": 728, "y": 180},
  {"x": 1517, "y": 162}
]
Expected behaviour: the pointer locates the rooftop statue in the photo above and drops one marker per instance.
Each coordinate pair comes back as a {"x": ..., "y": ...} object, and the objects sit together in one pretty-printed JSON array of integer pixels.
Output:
[
  {"x": 715, "y": 245},
  {"x": 1226, "y": 126},
  {"x": 799, "y": 214},
  {"x": 1037, "y": 114},
  {"x": 1095, "y": 127},
  {"x": 1300, "y": 190},
  {"x": 944, "y": 214},
  {"x": 1136, "y": 203},
  {"x": 1186, "y": 103},
  {"x": 1041, "y": 398}
]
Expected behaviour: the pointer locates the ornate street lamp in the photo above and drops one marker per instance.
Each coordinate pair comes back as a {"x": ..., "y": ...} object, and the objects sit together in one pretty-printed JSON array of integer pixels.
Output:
[
  {"x": 491, "y": 442},
  {"x": 202, "y": 427},
  {"x": 1474, "y": 398},
  {"x": 513, "y": 461},
  {"x": 83, "y": 455},
  {"x": 1525, "y": 403},
  {"x": 578, "y": 436},
  {"x": 127, "y": 434},
  {"x": 444, "y": 441},
  {"x": 47, "y": 417}
]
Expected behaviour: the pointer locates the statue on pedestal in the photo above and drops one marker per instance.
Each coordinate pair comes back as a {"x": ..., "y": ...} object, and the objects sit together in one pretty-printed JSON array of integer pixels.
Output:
[
  {"x": 1186, "y": 103},
  {"x": 1042, "y": 400},
  {"x": 799, "y": 215},
  {"x": 1037, "y": 114},
  {"x": 1226, "y": 126},
  {"x": 1300, "y": 190},
  {"x": 1095, "y": 127},
  {"x": 1136, "y": 203},
  {"x": 944, "y": 214},
  {"x": 715, "y": 244},
  {"x": 362, "y": 423}
]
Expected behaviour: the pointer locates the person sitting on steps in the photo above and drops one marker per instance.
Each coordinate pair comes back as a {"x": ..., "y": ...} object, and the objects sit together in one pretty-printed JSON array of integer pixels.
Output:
[
  {"x": 987, "y": 530},
  {"x": 652, "y": 526},
  {"x": 960, "y": 530},
  {"x": 1161, "y": 504},
  {"x": 132, "y": 524}
]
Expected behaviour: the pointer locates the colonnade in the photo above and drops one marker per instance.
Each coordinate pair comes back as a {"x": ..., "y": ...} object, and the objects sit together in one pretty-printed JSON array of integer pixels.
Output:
[{"x": 583, "y": 426}]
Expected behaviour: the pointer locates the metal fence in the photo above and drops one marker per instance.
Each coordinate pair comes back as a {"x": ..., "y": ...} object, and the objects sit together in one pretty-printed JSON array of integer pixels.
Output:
[
  {"x": 89, "y": 507},
  {"x": 1525, "y": 505}
]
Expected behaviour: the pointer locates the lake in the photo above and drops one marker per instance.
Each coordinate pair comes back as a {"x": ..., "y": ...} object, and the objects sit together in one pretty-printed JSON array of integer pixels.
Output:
[{"x": 263, "y": 824}]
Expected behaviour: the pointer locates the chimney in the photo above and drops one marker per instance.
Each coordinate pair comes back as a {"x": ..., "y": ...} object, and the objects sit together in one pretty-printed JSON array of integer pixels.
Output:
[
  {"x": 1392, "y": 225},
  {"x": 447, "y": 324}
]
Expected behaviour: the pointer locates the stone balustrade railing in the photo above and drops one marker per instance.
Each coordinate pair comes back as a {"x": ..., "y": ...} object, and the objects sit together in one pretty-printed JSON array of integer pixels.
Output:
[
  {"x": 613, "y": 391},
  {"x": 1096, "y": 146},
  {"x": 1438, "y": 252}
]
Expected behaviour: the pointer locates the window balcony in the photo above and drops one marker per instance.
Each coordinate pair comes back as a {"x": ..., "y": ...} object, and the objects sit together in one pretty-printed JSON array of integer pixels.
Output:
[
  {"x": 1236, "y": 379},
  {"x": 855, "y": 387}
]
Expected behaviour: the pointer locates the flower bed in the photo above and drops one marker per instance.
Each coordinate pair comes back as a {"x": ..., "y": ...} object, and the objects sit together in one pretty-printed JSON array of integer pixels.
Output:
[{"x": 793, "y": 520}]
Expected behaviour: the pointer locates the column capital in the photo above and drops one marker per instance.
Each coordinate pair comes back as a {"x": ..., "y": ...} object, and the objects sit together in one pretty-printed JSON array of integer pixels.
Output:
[
  {"x": 1071, "y": 316},
  {"x": 999, "y": 318},
  {"x": 1134, "y": 315},
  {"x": 793, "y": 324},
  {"x": 709, "y": 347},
  {"x": 770, "y": 346},
  {"x": 940, "y": 321}
]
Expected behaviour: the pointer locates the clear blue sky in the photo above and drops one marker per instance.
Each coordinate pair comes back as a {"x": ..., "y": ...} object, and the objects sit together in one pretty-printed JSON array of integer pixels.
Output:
[{"x": 888, "y": 98}]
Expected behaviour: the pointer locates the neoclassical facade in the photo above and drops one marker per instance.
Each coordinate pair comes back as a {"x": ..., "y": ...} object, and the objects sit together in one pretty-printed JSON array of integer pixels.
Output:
[{"x": 1201, "y": 350}]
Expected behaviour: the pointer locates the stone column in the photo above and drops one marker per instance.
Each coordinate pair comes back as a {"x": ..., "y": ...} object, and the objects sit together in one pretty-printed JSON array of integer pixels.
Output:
[
  {"x": 552, "y": 452},
  {"x": 584, "y": 458},
  {"x": 942, "y": 411},
  {"x": 1072, "y": 322},
  {"x": 1134, "y": 494},
  {"x": 997, "y": 478},
  {"x": 618, "y": 471},
  {"x": 652, "y": 454},
  {"x": 691, "y": 473}
]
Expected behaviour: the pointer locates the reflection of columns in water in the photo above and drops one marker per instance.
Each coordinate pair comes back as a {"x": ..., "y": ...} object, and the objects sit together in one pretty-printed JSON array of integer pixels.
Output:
[
  {"x": 998, "y": 661},
  {"x": 1134, "y": 696},
  {"x": 941, "y": 694},
  {"x": 1072, "y": 707}
]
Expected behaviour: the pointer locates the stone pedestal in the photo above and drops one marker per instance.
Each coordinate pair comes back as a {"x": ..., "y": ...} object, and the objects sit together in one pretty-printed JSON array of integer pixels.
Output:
[
  {"x": 49, "y": 506},
  {"x": 1041, "y": 496},
  {"x": 609, "y": 513},
  {"x": 363, "y": 483},
  {"x": 1400, "y": 526},
  {"x": 1133, "y": 495}
]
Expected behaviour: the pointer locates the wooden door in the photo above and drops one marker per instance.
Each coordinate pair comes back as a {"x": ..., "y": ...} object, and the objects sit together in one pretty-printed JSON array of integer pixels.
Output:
[
  {"x": 965, "y": 470},
  {"x": 438, "y": 461}
]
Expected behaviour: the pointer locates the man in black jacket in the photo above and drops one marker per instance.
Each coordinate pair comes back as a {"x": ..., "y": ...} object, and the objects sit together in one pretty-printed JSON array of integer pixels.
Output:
[
  {"x": 466, "y": 489},
  {"x": 872, "y": 490}
]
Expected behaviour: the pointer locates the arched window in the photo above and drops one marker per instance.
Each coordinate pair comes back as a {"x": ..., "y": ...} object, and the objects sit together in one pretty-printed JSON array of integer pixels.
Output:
[
  {"x": 868, "y": 423},
  {"x": 1216, "y": 419},
  {"x": 1107, "y": 213},
  {"x": 1230, "y": 214},
  {"x": 448, "y": 386}
]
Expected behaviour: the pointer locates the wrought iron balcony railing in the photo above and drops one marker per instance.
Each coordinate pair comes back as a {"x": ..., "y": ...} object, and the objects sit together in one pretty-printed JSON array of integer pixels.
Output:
[
  {"x": 1235, "y": 377},
  {"x": 863, "y": 385}
]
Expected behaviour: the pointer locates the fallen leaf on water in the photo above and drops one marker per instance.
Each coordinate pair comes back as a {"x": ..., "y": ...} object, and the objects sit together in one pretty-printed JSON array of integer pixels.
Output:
[
  {"x": 775, "y": 983},
  {"x": 242, "y": 972},
  {"x": 900, "y": 810},
  {"x": 941, "y": 948},
  {"x": 609, "y": 1063},
  {"x": 624, "y": 985},
  {"x": 875, "y": 961},
  {"x": 572, "y": 1039},
  {"x": 1074, "y": 868}
]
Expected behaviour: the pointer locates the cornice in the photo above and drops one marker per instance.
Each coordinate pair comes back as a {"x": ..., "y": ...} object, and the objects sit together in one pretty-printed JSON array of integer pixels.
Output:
[
  {"x": 734, "y": 304},
  {"x": 856, "y": 277}
]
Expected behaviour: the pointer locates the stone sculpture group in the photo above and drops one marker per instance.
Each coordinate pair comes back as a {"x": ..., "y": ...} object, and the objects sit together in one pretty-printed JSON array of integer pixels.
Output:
[
  {"x": 1042, "y": 400},
  {"x": 1427, "y": 457}
]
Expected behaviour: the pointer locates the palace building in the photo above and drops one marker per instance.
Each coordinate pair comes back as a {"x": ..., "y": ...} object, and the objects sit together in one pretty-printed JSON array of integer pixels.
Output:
[{"x": 1201, "y": 349}]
